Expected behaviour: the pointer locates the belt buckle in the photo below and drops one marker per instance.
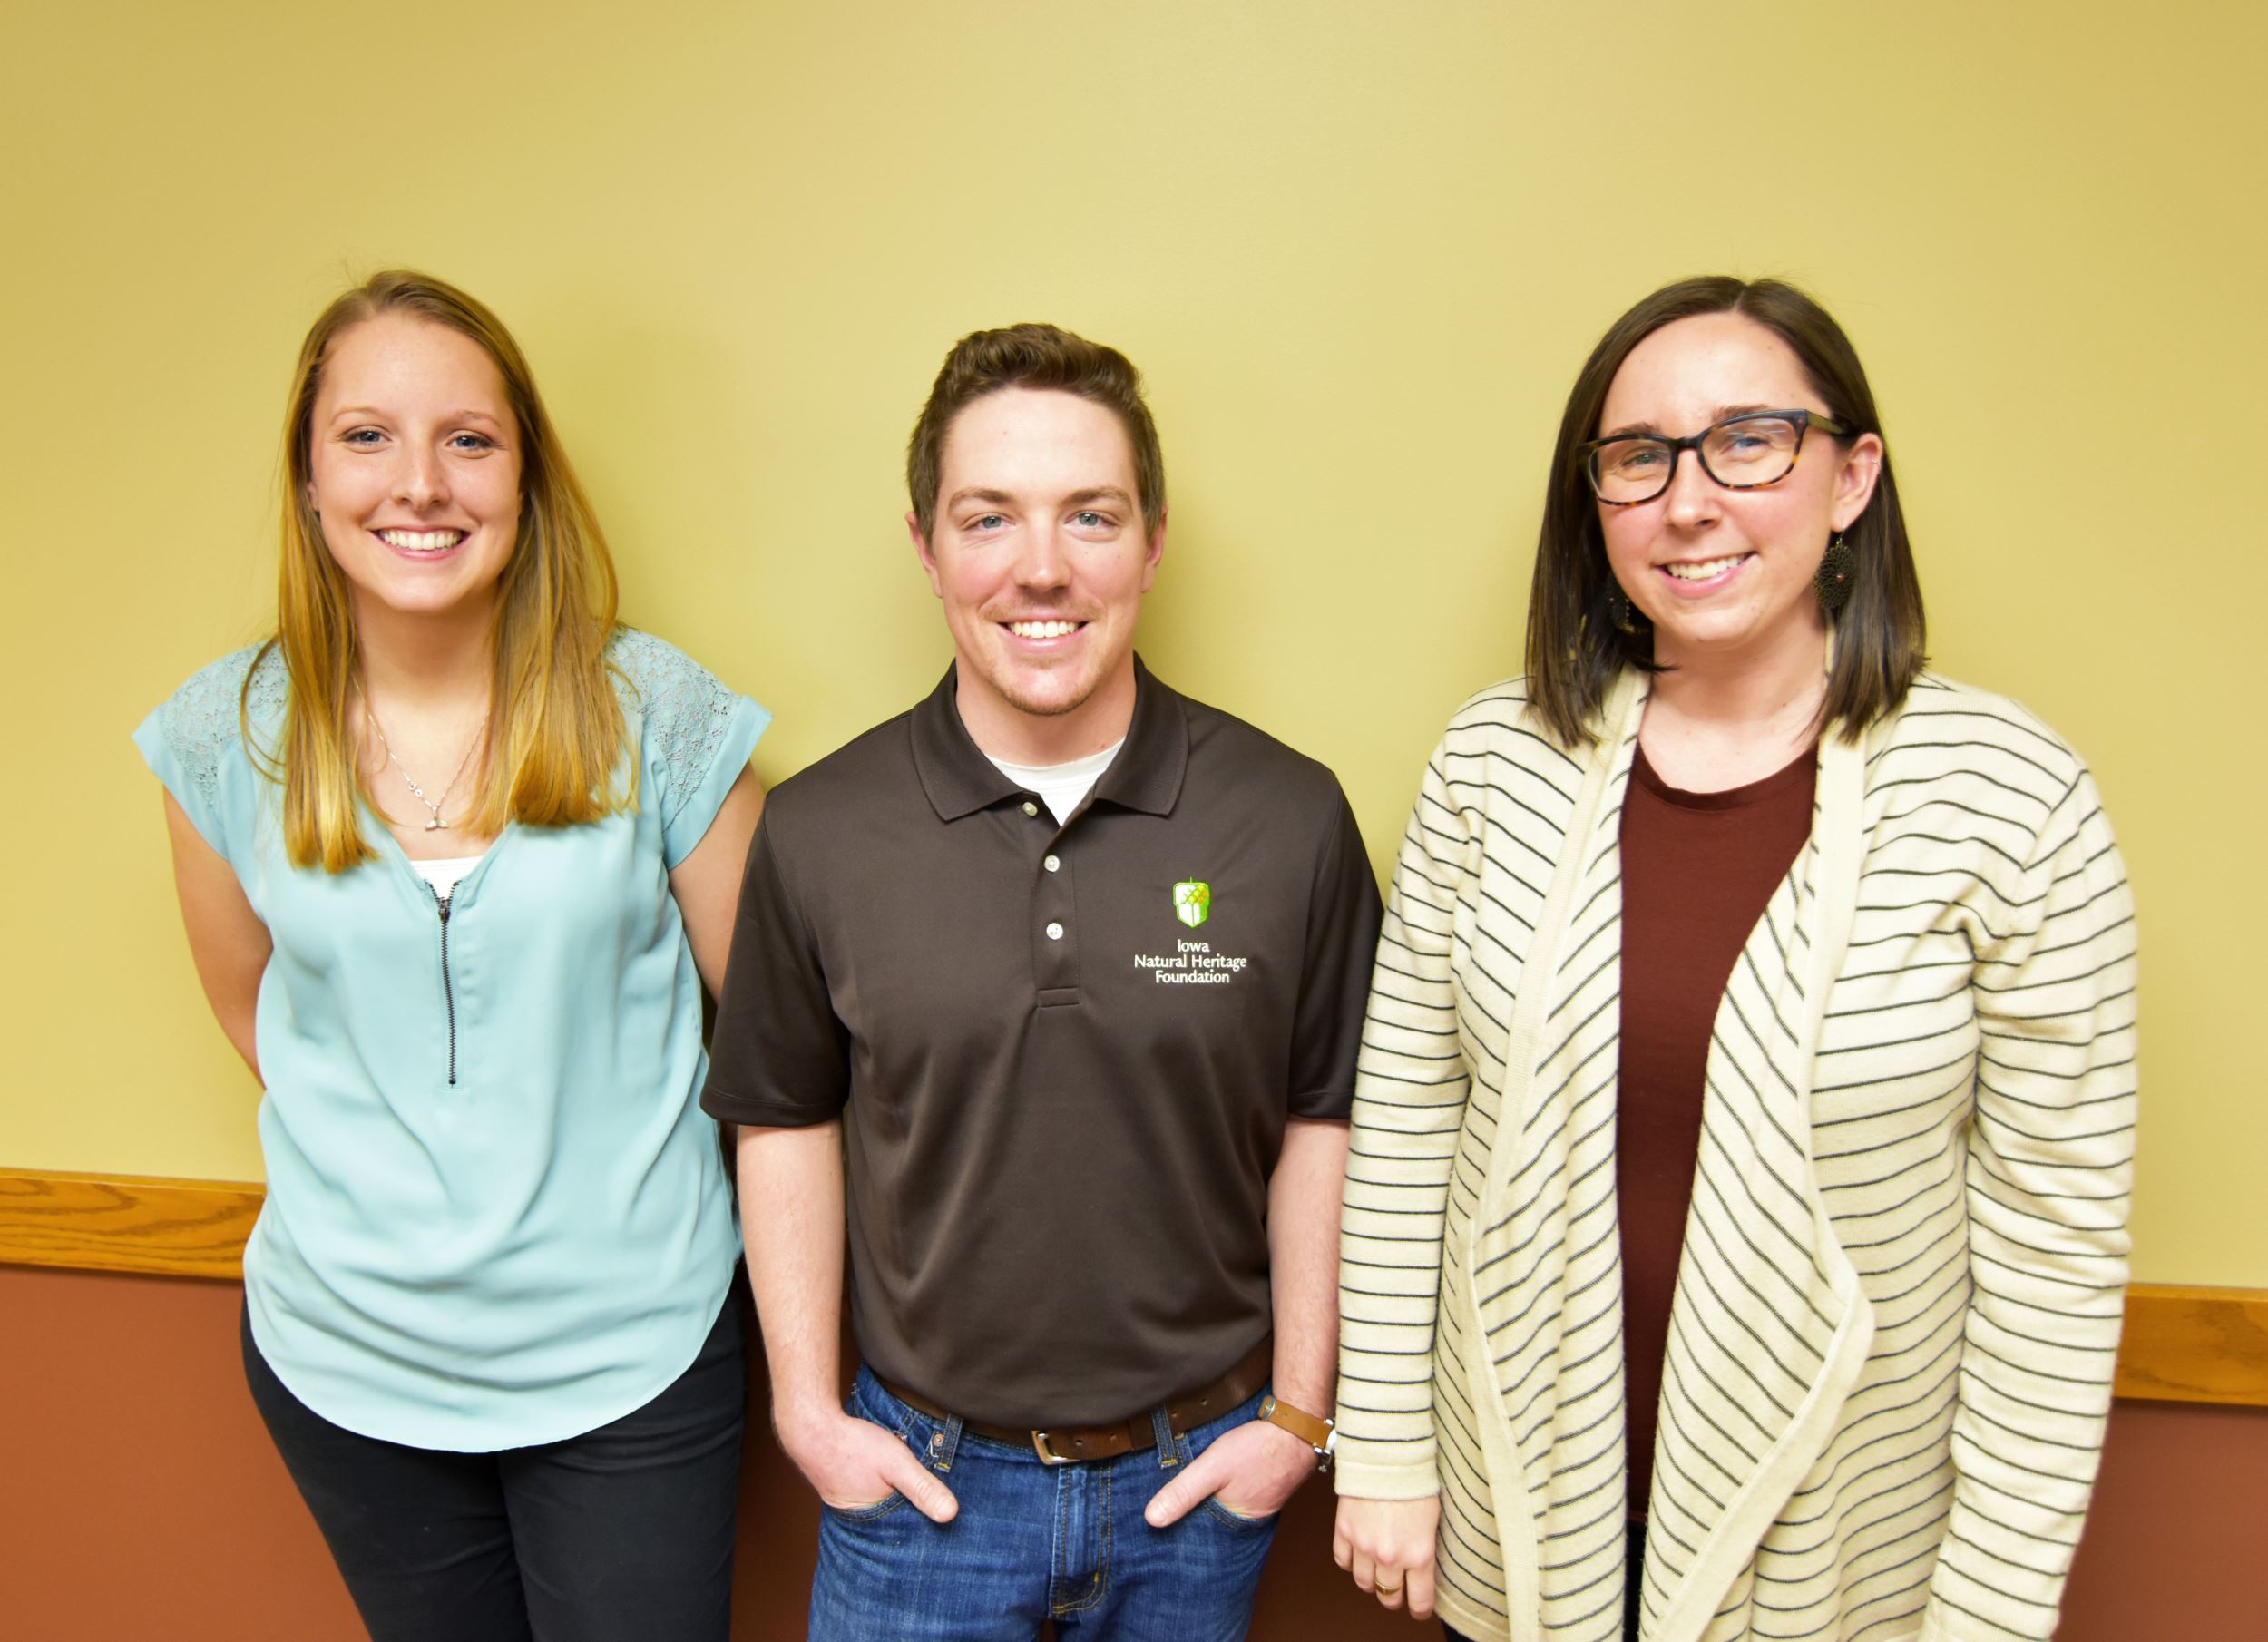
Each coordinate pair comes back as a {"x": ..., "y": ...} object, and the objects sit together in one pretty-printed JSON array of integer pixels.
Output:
[{"x": 1047, "y": 1455}]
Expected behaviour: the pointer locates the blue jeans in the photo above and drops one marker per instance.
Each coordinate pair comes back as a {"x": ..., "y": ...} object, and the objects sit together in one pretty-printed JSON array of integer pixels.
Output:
[{"x": 1034, "y": 1542}]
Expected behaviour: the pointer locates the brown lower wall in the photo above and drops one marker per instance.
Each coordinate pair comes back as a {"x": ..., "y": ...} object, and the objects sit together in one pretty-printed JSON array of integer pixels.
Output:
[{"x": 139, "y": 1499}]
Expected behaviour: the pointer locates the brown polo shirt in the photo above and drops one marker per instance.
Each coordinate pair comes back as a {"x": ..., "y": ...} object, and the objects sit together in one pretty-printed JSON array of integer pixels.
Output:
[{"x": 1063, "y": 1056}]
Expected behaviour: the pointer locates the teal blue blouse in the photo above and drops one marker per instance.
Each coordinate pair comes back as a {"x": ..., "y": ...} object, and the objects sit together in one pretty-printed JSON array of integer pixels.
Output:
[{"x": 496, "y": 1215}]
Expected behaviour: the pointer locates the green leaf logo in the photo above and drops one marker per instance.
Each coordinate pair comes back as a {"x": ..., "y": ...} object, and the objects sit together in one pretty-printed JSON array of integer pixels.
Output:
[{"x": 1192, "y": 903}]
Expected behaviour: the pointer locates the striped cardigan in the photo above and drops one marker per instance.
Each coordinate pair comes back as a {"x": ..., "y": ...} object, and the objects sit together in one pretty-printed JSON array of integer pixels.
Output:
[{"x": 1897, "y": 1313}]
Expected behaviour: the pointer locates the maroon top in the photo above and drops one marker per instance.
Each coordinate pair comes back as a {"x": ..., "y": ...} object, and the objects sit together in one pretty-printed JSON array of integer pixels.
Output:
[{"x": 1697, "y": 870}]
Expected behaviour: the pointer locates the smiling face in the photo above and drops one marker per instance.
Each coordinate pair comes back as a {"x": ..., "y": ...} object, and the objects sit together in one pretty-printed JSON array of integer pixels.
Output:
[
  {"x": 413, "y": 465},
  {"x": 1726, "y": 575},
  {"x": 1039, "y": 555}
]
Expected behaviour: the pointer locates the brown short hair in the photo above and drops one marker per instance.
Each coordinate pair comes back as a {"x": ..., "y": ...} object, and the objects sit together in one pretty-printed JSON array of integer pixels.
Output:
[
  {"x": 1036, "y": 356},
  {"x": 1574, "y": 648}
]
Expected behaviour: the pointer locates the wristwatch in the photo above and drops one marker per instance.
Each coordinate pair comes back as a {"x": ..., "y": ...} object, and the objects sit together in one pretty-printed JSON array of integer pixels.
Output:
[{"x": 1317, "y": 1430}]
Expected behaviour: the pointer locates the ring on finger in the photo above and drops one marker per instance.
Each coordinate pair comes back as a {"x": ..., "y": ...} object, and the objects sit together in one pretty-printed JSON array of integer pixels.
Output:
[{"x": 1389, "y": 1591}]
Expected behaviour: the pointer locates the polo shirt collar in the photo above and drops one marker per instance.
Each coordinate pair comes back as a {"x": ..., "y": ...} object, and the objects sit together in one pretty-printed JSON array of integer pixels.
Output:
[{"x": 1146, "y": 776}]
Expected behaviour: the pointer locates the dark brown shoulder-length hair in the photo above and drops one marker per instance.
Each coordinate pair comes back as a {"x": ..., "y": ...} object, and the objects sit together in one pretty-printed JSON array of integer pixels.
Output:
[{"x": 1575, "y": 650}]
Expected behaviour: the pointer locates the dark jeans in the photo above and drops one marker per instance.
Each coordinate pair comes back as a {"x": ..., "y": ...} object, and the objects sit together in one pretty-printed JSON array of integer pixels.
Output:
[
  {"x": 622, "y": 1534},
  {"x": 1634, "y": 1556}
]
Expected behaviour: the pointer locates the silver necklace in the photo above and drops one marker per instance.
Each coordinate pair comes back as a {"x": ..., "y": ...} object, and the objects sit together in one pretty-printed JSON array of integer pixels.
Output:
[{"x": 432, "y": 806}]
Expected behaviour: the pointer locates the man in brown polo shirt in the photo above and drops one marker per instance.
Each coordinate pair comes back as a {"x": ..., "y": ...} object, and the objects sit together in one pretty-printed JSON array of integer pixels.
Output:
[{"x": 1058, "y": 979}]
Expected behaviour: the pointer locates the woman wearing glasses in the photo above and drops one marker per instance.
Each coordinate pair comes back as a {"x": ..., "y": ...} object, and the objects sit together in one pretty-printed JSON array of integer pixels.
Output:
[
  {"x": 1745, "y": 1126},
  {"x": 458, "y": 855}
]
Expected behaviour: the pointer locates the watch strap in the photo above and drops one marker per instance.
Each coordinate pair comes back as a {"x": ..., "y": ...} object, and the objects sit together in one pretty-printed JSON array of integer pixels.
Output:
[{"x": 1314, "y": 1430}]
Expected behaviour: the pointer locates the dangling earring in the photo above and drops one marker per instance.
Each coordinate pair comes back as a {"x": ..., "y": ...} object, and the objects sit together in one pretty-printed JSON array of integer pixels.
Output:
[
  {"x": 1626, "y": 615},
  {"x": 1837, "y": 567}
]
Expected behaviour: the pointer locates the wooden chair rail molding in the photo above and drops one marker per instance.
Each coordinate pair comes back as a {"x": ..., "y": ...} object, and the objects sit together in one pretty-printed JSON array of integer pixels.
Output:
[
  {"x": 130, "y": 1223},
  {"x": 2181, "y": 1344}
]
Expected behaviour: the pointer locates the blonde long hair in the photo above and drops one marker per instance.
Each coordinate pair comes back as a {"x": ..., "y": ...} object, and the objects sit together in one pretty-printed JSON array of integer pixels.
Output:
[{"x": 557, "y": 729}]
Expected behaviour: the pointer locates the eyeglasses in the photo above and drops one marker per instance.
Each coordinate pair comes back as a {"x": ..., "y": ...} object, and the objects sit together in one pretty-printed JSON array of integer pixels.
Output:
[{"x": 1746, "y": 451}]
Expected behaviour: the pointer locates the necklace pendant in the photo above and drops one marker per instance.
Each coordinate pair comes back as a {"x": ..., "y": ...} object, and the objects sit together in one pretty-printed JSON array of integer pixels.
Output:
[{"x": 435, "y": 824}]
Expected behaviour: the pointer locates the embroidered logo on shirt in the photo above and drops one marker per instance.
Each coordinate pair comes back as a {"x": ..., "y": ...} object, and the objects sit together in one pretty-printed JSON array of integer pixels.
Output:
[{"x": 1192, "y": 962}]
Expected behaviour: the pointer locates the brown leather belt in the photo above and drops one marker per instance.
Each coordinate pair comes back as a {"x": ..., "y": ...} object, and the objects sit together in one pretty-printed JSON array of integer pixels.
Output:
[{"x": 1058, "y": 1445}]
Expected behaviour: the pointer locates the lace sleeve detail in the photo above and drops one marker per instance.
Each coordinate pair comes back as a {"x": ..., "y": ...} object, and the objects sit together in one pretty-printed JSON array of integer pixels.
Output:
[
  {"x": 696, "y": 732},
  {"x": 195, "y": 739}
]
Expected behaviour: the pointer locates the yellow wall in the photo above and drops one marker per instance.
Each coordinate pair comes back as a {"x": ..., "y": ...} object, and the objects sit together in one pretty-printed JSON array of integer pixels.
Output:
[{"x": 1359, "y": 248}]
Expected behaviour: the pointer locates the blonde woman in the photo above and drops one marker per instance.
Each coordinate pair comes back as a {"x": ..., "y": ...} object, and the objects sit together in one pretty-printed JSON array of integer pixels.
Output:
[
  {"x": 1744, "y": 1130},
  {"x": 457, "y": 855}
]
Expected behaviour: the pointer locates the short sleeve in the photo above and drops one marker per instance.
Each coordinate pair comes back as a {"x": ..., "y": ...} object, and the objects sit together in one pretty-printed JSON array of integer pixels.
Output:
[
  {"x": 697, "y": 736},
  {"x": 1342, "y": 920},
  {"x": 193, "y": 743},
  {"x": 781, "y": 1056}
]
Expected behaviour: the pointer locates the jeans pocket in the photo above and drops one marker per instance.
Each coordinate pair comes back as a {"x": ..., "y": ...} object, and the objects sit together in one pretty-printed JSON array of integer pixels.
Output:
[
  {"x": 876, "y": 1513},
  {"x": 1234, "y": 1518}
]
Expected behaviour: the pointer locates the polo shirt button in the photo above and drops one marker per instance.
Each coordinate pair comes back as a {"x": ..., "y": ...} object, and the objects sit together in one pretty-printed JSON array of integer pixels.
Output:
[
  {"x": 1053, "y": 864},
  {"x": 1055, "y": 932},
  {"x": 1029, "y": 808}
]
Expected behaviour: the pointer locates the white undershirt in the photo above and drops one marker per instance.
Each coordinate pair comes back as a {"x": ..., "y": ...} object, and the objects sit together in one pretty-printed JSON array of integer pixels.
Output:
[
  {"x": 1061, "y": 787},
  {"x": 446, "y": 874}
]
